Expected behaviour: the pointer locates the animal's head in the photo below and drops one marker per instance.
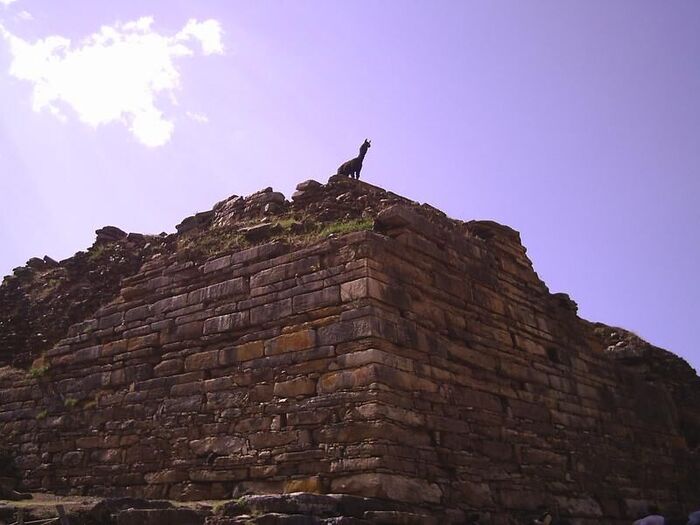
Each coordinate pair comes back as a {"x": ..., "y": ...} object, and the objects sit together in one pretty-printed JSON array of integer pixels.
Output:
[{"x": 366, "y": 145}]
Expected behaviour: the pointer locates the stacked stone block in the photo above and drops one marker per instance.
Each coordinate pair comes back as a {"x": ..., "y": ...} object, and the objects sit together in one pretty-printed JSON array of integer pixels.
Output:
[{"x": 416, "y": 363}]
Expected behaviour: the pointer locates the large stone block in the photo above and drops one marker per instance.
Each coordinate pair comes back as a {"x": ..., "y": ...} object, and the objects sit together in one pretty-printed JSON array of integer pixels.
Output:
[
  {"x": 144, "y": 341},
  {"x": 264, "y": 251},
  {"x": 374, "y": 373},
  {"x": 218, "y": 291},
  {"x": 291, "y": 342},
  {"x": 217, "y": 264},
  {"x": 374, "y": 355},
  {"x": 389, "y": 486},
  {"x": 300, "y": 386},
  {"x": 350, "y": 330},
  {"x": 225, "y": 323},
  {"x": 285, "y": 271},
  {"x": 159, "y": 517},
  {"x": 311, "y": 301},
  {"x": 169, "y": 304},
  {"x": 271, "y": 312},
  {"x": 138, "y": 313},
  {"x": 202, "y": 360},
  {"x": 245, "y": 352}
]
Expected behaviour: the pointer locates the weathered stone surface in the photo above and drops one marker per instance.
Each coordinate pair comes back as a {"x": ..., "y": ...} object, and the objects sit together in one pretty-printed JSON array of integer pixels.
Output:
[
  {"x": 308, "y": 185},
  {"x": 110, "y": 234},
  {"x": 260, "y": 232},
  {"x": 286, "y": 519},
  {"x": 423, "y": 363},
  {"x": 159, "y": 517},
  {"x": 271, "y": 312},
  {"x": 197, "y": 221},
  {"x": 202, "y": 360},
  {"x": 389, "y": 486},
  {"x": 224, "y": 323},
  {"x": 104, "y": 511},
  {"x": 244, "y": 352},
  {"x": 222, "y": 445},
  {"x": 291, "y": 342},
  {"x": 300, "y": 386},
  {"x": 393, "y": 517},
  {"x": 314, "y": 300}
]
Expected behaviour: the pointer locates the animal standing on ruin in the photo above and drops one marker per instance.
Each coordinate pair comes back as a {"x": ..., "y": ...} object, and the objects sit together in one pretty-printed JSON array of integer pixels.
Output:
[{"x": 352, "y": 167}]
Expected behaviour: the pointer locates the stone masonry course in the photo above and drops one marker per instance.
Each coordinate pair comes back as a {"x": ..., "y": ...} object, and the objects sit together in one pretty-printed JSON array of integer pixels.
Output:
[{"x": 421, "y": 361}]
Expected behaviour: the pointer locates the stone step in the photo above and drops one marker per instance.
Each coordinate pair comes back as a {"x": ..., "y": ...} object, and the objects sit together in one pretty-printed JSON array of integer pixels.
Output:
[{"x": 160, "y": 517}]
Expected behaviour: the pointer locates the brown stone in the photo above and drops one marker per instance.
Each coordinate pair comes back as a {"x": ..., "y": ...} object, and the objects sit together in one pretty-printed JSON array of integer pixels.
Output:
[
  {"x": 388, "y": 486},
  {"x": 319, "y": 299},
  {"x": 222, "y": 445},
  {"x": 422, "y": 363},
  {"x": 309, "y": 484},
  {"x": 202, "y": 360},
  {"x": 218, "y": 475},
  {"x": 244, "y": 352},
  {"x": 300, "y": 386},
  {"x": 218, "y": 291},
  {"x": 271, "y": 312},
  {"x": 394, "y": 517},
  {"x": 142, "y": 342},
  {"x": 169, "y": 367},
  {"x": 159, "y": 517},
  {"x": 167, "y": 476},
  {"x": 291, "y": 342},
  {"x": 224, "y": 323}
]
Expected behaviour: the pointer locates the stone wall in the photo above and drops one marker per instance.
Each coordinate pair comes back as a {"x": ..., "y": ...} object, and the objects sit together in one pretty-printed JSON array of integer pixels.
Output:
[{"x": 417, "y": 363}]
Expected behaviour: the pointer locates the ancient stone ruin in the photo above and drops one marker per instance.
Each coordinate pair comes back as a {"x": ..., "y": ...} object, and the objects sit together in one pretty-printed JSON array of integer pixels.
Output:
[{"x": 386, "y": 361}]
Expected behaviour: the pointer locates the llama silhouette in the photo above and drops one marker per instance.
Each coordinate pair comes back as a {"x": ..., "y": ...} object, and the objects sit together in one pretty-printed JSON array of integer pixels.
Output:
[{"x": 352, "y": 167}]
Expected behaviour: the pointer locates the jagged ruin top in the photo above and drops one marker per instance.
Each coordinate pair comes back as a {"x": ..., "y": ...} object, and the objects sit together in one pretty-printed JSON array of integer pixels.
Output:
[{"x": 43, "y": 298}]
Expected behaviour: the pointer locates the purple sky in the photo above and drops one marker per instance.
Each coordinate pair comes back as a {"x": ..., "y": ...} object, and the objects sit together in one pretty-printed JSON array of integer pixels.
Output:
[{"x": 576, "y": 123}]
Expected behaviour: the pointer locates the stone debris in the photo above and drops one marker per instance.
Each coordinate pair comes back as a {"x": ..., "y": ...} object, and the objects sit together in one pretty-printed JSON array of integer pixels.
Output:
[
  {"x": 110, "y": 234},
  {"x": 318, "y": 509},
  {"x": 42, "y": 300},
  {"x": 195, "y": 222},
  {"x": 260, "y": 232}
]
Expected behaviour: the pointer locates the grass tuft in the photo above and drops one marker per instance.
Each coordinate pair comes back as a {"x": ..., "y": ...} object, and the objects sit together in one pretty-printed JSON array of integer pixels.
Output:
[
  {"x": 342, "y": 227},
  {"x": 38, "y": 371}
]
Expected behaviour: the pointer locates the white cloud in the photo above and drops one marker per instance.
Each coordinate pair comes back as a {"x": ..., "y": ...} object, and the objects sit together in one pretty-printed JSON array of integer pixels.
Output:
[
  {"x": 207, "y": 32},
  {"x": 7, "y": 2},
  {"x": 114, "y": 75},
  {"x": 198, "y": 117},
  {"x": 24, "y": 15}
]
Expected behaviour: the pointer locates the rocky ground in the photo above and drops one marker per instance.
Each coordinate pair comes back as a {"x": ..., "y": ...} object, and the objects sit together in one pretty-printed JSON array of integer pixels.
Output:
[{"x": 277, "y": 509}]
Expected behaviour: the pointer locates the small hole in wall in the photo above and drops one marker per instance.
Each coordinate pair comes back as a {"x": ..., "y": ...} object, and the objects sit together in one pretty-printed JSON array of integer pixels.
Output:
[{"x": 553, "y": 355}]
